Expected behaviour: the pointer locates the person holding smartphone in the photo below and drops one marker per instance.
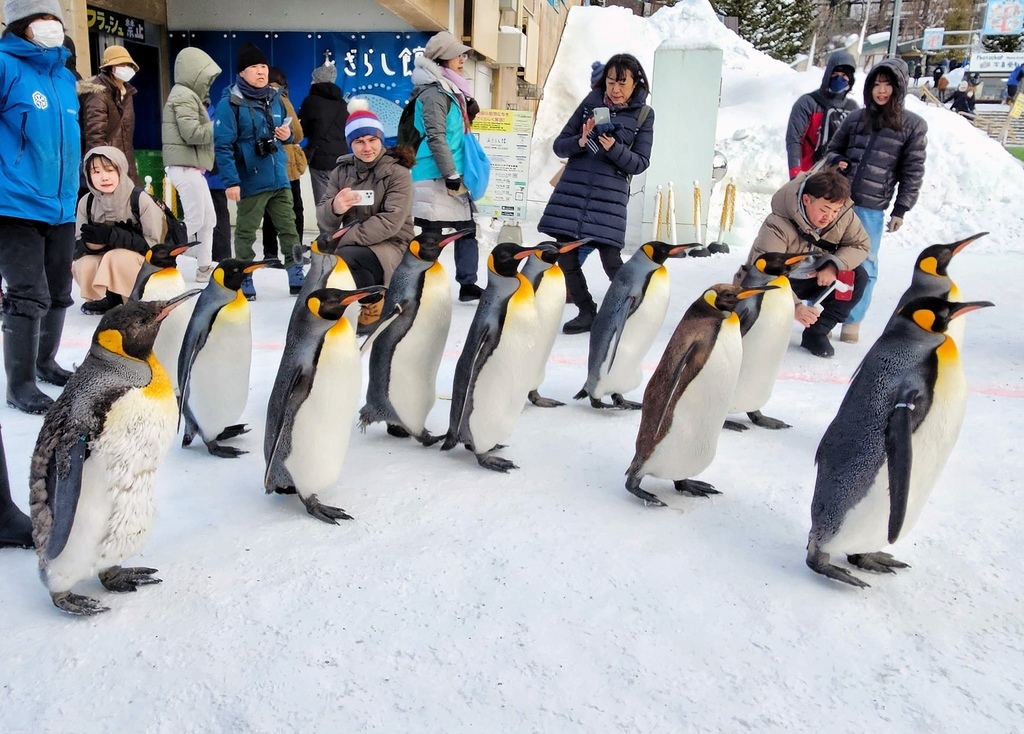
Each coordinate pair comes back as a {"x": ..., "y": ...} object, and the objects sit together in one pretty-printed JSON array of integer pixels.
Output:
[
  {"x": 607, "y": 141},
  {"x": 369, "y": 191}
]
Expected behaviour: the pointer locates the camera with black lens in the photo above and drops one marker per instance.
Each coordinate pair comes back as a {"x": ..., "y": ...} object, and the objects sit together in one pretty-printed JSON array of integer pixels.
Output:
[{"x": 266, "y": 146}]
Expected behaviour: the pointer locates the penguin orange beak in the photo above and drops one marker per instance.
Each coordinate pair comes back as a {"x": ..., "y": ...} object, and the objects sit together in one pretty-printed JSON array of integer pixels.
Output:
[
  {"x": 526, "y": 253},
  {"x": 339, "y": 233},
  {"x": 680, "y": 250},
  {"x": 456, "y": 236},
  {"x": 361, "y": 293},
  {"x": 180, "y": 250},
  {"x": 570, "y": 246},
  {"x": 749, "y": 292},
  {"x": 254, "y": 267},
  {"x": 173, "y": 303},
  {"x": 963, "y": 243},
  {"x": 959, "y": 309},
  {"x": 797, "y": 258}
]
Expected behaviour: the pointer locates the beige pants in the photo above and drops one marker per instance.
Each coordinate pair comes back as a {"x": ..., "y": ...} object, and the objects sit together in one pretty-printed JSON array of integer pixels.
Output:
[{"x": 113, "y": 271}]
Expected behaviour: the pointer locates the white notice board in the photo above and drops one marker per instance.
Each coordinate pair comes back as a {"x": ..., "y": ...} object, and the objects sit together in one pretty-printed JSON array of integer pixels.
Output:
[{"x": 505, "y": 137}]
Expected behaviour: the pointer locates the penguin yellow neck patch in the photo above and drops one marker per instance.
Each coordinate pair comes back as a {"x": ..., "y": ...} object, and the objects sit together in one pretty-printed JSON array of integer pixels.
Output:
[
  {"x": 947, "y": 352},
  {"x": 159, "y": 387},
  {"x": 524, "y": 292},
  {"x": 339, "y": 329}
]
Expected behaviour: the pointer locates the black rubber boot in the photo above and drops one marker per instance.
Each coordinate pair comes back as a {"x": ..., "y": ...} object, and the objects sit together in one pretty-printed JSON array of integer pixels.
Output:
[
  {"x": 21, "y": 346},
  {"x": 815, "y": 340},
  {"x": 50, "y": 329},
  {"x": 15, "y": 527},
  {"x": 582, "y": 323}
]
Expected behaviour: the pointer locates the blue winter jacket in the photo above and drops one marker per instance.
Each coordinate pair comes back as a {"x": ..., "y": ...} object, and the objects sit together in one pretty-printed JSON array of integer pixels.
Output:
[
  {"x": 237, "y": 125},
  {"x": 39, "y": 133},
  {"x": 426, "y": 118},
  {"x": 590, "y": 199}
]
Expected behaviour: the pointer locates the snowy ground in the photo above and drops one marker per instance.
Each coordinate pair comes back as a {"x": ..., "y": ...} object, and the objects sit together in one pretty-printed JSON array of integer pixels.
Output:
[{"x": 551, "y": 600}]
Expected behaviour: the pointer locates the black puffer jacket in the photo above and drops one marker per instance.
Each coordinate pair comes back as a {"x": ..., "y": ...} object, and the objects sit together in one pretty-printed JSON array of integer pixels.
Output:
[
  {"x": 590, "y": 198},
  {"x": 881, "y": 159},
  {"x": 323, "y": 115}
]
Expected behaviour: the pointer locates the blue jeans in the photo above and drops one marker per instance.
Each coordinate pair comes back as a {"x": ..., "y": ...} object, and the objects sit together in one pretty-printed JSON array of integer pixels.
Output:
[
  {"x": 873, "y": 220},
  {"x": 467, "y": 260}
]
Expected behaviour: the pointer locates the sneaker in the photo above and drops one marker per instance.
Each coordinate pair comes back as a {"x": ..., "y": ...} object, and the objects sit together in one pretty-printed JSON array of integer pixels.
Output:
[
  {"x": 581, "y": 324},
  {"x": 248, "y": 288},
  {"x": 850, "y": 333},
  {"x": 101, "y": 305},
  {"x": 469, "y": 292},
  {"x": 203, "y": 273},
  {"x": 369, "y": 315},
  {"x": 296, "y": 277},
  {"x": 817, "y": 344}
]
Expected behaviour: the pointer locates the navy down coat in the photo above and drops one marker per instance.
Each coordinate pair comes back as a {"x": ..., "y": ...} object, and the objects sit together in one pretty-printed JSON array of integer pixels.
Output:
[{"x": 590, "y": 199}]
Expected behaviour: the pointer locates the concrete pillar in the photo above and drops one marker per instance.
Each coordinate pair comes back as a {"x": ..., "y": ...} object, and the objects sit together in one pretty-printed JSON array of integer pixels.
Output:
[{"x": 76, "y": 25}]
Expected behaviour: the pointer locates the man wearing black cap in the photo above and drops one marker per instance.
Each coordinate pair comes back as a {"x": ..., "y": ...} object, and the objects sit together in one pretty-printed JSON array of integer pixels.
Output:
[
  {"x": 249, "y": 126},
  {"x": 817, "y": 115}
]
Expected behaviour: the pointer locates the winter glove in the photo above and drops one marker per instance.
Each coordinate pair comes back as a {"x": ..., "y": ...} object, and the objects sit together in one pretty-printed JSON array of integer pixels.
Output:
[
  {"x": 895, "y": 223},
  {"x": 453, "y": 183},
  {"x": 125, "y": 236},
  {"x": 96, "y": 234},
  {"x": 604, "y": 128}
]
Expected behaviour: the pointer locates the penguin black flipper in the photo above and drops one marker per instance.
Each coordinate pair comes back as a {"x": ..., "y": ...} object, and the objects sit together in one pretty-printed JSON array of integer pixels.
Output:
[
  {"x": 621, "y": 312},
  {"x": 194, "y": 341},
  {"x": 147, "y": 270},
  {"x": 899, "y": 458},
  {"x": 466, "y": 372},
  {"x": 298, "y": 390},
  {"x": 62, "y": 493}
]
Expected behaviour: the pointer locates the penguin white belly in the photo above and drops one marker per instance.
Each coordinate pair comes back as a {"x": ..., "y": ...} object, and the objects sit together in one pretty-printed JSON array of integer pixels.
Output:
[
  {"x": 162, "y": 286},
  {"x": 115, "y": 506},
  {"x": 322, "y": 425},
  {"x": 219, "y": 382},
  {"x": 624, "y": 374},
  {"x": 697, "y": 417},
  {"x": 502, "y": 382},
  {"x": 763, "y": 348},
  {"x": 865, "y": 528},
  {"x": 341, "y": 278},
  {"x": 412, "y": 387},
  {"x": 550, "y": 298}
]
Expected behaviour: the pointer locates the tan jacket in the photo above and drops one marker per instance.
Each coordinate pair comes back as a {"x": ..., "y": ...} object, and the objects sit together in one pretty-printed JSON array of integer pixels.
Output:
[
  {"x": 107, "y": 117},
  {"x": 386, "y": 226},
  {"x": 296, "y": 165},
  {"x": 844, "y": 242}
]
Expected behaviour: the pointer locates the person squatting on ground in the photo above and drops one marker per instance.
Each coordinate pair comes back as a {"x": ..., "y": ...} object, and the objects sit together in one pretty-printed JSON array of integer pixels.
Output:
[
  {"x": 379, "y": 230},
  {"x": 323, "y": 115},
  {"x": 188, "y": 150},
  {"x": 248, "y": 131},
  {"x": 444, "y": 109},
  {"x": 816, "y": 116},
  {"x": 814, "y": 213},
  {"x": 38, "y": 185},
  {"x": 590, "y": 198},
  {"x": 295, "y": 168},
  {"x": 108, "y": 107},
  {"x": 879, "y": 147},
  {"x": 111, "y": 242}
]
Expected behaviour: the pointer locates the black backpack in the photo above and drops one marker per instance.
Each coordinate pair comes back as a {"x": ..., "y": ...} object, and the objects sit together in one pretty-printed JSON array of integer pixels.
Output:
[
  {"x": 407, "y": 133},
  {"x": 177, "y": 233},
  {"x": 830, "y": 123}
]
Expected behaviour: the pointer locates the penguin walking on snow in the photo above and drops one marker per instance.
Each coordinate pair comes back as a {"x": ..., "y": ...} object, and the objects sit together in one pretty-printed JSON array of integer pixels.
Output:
[
  {"x": 884, "y": 451},
  {"x": 548, "y": 283},
  {"x": 406, "y": 354},
  {"x": 765, "y": 324},
  {"x": 631, "y": 313},
  {"x": 92, "y": 469},
  {"x": 213, "y": 366},
  {"x": 159, "y": 280},
  {"x": 309, "y": 417},
  {"x": 491, "y": 381},
  {"x": 688, "y": 395}
]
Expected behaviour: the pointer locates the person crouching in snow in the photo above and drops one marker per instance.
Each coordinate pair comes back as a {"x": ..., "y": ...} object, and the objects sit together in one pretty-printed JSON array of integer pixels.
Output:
[{"x": 111, "y": 240}]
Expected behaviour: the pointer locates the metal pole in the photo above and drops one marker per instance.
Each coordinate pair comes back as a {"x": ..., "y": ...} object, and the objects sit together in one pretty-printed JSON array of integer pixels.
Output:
[{"x": 894, "y": 31}]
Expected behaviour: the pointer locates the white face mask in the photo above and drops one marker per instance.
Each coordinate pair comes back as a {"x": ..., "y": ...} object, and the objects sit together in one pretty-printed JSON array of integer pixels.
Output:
[
  {"x": 47, "y": 33},
  {"x": 124, "y": 73}
]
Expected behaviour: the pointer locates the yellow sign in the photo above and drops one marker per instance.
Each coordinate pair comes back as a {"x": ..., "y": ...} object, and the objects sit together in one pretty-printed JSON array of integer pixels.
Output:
[
  {"x": 1018, "y": 106},
  {"x": 503, "y": 121}
]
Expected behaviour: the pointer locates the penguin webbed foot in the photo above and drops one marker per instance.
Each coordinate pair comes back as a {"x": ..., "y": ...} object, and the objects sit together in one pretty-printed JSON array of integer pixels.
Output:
[
  {"x": 694, "y": 487},
  {"x": 232, "y": 431},
  {"x": 186, "y": 439},
  {"x": 734, "y": 426},
  {"x": 596, "y": 403},
  {"x": 495, "y": 463},
  {"x": 323, "y": 512},
  {"x": 633, "y": 485},
  {"x": 877, "y": 562},
  {"x": 224, "y": 452},
  {"x": 397, "y": 431},
  {"x": 428, "y": 439},
  {"x": 763, "y": 421},
  {"x": 818, "y": 562},
  {"x": 622, "y": 404},
  {"x": 542, "y": 402},
  {"x": 126, "y": 580},
  {"x": 80, "y": 606}
]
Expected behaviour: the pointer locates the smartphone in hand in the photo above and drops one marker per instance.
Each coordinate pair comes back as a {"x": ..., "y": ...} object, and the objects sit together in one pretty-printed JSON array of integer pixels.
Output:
[{"x": 602, "y": 116}]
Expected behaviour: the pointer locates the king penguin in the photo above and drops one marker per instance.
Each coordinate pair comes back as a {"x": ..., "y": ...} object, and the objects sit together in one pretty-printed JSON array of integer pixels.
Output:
[
  {"x": 765, "y": 325},
  {"x": 92, "y": 470},
  {"x": 406, "y": 354},
  {"x": 159, "y": 280},
  {"x": 548, "y": 283},
  {"x": 931, "y": 279},
  {"x": 309, "y": 417},
  {"x": 213, "y": 365},
  {"x": 884, "y": 451},
  {"x": 326, "y": 270},
  {"x": 490, "y": 380},
  {"x": 688, "y": 395},
  {"x": 631, "y": 313}
]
